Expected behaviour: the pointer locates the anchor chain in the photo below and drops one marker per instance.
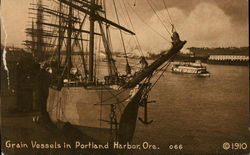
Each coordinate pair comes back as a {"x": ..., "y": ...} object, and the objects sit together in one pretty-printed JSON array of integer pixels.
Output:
[
  {"x": 144, "y": 102},
  {"x": 113, "y": 122}
]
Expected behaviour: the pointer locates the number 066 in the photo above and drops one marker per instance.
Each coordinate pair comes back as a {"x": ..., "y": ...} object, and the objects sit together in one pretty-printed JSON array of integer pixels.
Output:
[{"x": 176, "y": 147}]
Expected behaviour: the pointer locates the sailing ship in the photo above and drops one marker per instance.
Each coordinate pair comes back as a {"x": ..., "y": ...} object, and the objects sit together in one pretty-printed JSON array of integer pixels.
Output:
[{"x": 76, "y": 94}]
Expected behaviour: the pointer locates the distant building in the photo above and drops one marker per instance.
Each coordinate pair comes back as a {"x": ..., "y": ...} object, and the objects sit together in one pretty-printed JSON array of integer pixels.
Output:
[{"x": 228, "y": 58}]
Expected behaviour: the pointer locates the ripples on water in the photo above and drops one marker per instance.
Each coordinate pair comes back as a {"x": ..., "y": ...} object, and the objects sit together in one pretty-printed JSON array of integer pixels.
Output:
[{"x": 199, "y": 113}]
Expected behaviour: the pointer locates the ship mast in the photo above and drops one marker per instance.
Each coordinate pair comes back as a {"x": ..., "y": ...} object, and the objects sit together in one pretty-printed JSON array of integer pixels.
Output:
[
  {"x": 42, "y": 38},
  {"x": 59, "y": 37},
  {"x": 91, "y": 42},
  {"x": 107, "y": 45},
  {"x": 33, "y": 46},
  {"x": 69, "y": 37},
  {"x": 39, "y": 50}
]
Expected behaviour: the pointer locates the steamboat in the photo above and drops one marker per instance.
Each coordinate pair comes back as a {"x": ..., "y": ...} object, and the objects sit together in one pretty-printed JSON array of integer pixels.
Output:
[{"x": 191, "y": 68}]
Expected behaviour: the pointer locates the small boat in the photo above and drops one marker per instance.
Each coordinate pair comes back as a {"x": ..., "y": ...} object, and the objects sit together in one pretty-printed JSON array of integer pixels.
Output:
[
  {"x": 204, "y": 74},
  {"x": 191, "y": 68}
]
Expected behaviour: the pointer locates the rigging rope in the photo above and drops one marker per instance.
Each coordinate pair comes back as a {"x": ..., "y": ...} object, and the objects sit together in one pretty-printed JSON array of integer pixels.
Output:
[
  {"x": 123, "y": 44},
  {"x": 165, "y": 66},
  {"x": 50, "y": 40},
  {"x": 97, "y": 67},
  {"x": 165, "y": 16},
  {"x": 158, "y": 17},
  {"x": 165, "y": 5},
  {"x": 147, "y": 24},
  {"x": 136, "y": 38}
]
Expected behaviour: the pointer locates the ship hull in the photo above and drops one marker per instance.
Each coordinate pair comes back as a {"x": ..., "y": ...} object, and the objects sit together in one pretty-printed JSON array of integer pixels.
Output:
[{"x": 89, "y": 110}]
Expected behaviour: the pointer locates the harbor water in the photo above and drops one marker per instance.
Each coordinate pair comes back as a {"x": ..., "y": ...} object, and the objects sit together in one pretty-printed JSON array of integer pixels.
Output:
[
  {"x": 192, "y": 115},
  {"x": 198, "y": 114}
]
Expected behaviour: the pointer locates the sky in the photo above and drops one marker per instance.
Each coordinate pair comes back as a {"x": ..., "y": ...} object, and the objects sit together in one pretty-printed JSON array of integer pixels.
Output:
[{"x": 203, "y": 23}]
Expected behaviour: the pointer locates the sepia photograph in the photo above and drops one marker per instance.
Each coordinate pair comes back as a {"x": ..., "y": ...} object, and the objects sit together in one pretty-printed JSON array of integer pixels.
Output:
[{"x": 124, "y": 77}]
